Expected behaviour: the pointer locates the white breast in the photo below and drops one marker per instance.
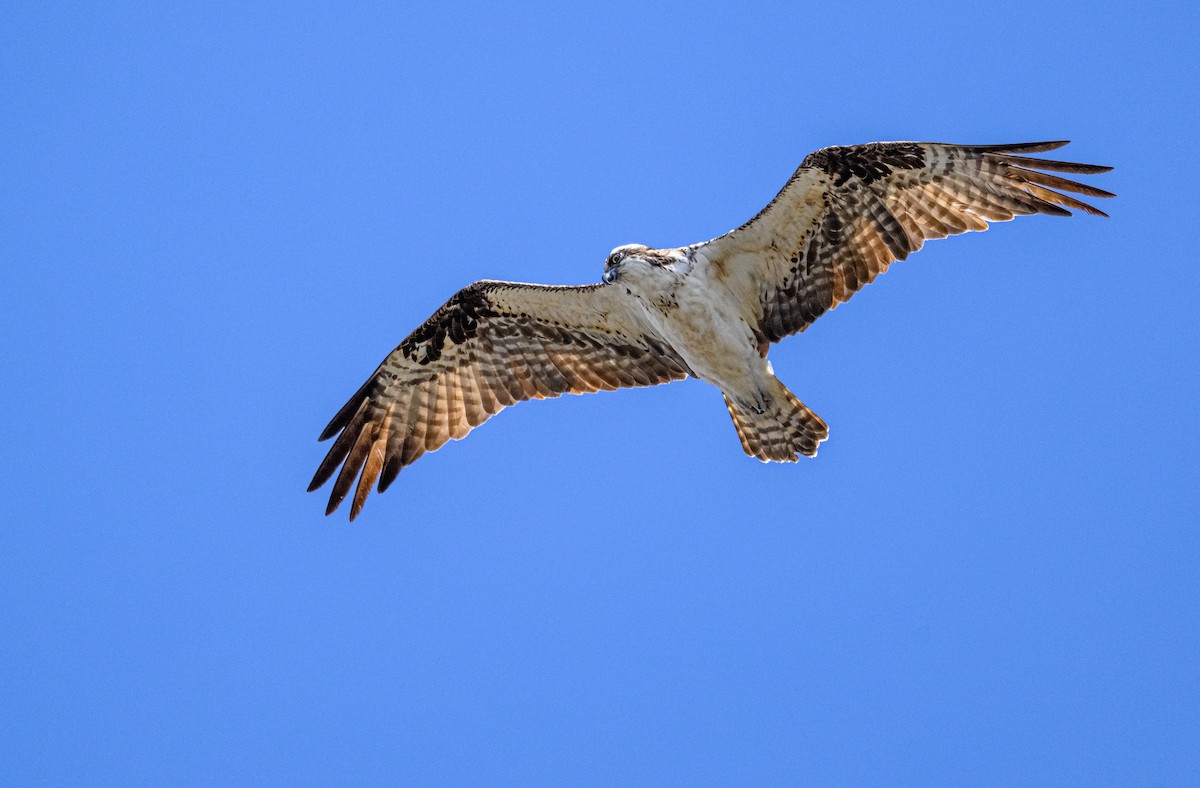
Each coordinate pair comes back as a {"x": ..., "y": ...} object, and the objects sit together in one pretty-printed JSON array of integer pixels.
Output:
[{"x": 703, "y": 325}]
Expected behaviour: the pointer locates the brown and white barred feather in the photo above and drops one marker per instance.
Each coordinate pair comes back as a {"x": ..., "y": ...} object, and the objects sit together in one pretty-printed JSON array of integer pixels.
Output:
[
  {"x": 491, "y": 345},
  {"x": 844, "y": 216},
  {"x": 847, "y": 213},
  {"x": 787, "y": 429}
]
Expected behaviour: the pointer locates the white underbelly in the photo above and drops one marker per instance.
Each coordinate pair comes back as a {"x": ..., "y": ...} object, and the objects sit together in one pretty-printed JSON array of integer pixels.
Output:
[{"x": 718, "y": 347}]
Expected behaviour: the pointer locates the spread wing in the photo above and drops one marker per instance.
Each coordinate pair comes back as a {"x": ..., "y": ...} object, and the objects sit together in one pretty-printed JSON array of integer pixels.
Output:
[
  {"x": 491, "y": 345},
  {"x": 849, "y": 212}
]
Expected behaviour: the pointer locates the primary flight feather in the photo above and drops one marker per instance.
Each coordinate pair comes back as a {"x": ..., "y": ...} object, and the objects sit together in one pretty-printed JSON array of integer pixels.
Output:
[{"x": 710, "y": 310}]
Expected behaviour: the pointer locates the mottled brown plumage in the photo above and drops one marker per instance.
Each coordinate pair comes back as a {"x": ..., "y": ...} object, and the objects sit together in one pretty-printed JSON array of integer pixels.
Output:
[
  {"x": 491, "y": 345},
  {"x": 709, "y": 310},
  {"x": 865, "y": 207}
]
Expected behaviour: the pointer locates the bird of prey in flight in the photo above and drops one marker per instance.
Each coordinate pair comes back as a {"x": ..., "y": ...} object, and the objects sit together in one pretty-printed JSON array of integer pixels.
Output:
[{"x": 710, "y": 310}]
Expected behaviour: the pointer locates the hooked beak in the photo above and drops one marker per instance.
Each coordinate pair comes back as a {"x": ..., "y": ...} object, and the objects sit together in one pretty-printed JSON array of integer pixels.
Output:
[{"x": 610, "y": 275}]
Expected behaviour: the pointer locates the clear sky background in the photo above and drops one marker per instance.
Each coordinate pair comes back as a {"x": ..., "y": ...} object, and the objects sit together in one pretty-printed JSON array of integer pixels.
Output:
[{"x": 215, "y": 220}]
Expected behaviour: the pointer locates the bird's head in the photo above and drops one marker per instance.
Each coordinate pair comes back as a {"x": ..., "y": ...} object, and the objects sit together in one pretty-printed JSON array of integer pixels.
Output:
[{"x": 635, "y": 262}]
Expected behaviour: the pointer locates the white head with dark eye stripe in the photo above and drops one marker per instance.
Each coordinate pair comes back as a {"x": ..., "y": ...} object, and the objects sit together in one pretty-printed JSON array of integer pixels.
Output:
[
  {"x": 636, "y": 262},
  {"x": 617, "y": 257}
]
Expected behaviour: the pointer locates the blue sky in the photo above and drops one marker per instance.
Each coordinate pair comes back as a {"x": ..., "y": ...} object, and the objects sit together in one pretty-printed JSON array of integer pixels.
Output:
[{"x": 216, "y": 218}]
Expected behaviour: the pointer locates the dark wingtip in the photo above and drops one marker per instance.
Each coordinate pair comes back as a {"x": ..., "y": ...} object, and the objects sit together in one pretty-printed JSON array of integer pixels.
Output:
[
  {"x": 347, "y": 411},
  {"x": 1031, "y": 163},
  {"x": 1051, "y": 209},
  {"x": 391, "y": 469},
  {"x": 1022, "y": 147}
]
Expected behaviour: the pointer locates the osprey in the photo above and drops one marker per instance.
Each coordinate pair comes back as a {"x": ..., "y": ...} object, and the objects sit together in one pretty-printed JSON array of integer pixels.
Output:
[{"x": 709, "y": 311}]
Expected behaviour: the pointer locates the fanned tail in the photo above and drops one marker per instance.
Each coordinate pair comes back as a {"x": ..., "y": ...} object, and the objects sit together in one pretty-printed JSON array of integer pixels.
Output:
[{"x": 786, "y": 429}]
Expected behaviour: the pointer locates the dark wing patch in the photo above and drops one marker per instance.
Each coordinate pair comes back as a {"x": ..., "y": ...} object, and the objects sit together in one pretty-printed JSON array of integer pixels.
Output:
[
  {"x": 868, "y": 163},
  {"x": 491, "y": 345},
  {"x": 458, "y": 319},
  {"x": 849, "y": 212}
]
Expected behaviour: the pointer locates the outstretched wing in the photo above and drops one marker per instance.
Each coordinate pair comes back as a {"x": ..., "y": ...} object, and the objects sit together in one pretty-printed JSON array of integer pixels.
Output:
[
  {"x": 491, "y": 345},
  {"x": 849, "y": 212}
]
